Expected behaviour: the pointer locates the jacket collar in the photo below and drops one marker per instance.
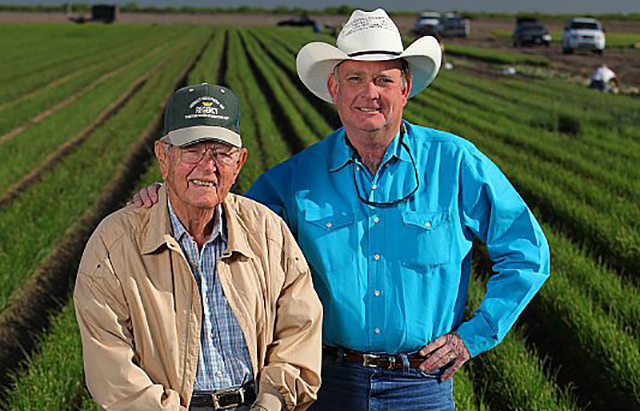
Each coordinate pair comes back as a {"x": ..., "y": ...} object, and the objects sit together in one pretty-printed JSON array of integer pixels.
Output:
[
  {"x": 237, "y": 240},
  {"x": 342, "y": 151},
  {"x": 159, "y": 231}
]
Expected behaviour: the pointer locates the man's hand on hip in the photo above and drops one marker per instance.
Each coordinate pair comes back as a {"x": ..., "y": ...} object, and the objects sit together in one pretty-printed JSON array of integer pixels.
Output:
[{"x": 448, "y": 349}]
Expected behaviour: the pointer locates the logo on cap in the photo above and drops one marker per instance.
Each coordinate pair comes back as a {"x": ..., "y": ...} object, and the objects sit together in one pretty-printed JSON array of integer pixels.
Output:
[{"x": 204, "y": 107}]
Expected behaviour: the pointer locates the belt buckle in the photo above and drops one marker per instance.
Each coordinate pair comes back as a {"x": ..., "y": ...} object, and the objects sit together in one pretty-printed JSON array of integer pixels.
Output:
[
  {"x": 215, "y": 398},
  {"x": 367, "y": 358}
]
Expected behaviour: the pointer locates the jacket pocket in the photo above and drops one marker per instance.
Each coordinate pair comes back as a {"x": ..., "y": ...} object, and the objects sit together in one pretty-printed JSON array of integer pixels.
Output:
[{"x": 427, "y": 239}]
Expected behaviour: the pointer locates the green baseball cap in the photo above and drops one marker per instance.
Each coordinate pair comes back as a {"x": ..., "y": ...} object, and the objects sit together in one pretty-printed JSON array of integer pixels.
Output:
[{"x": 201, "y": 113}]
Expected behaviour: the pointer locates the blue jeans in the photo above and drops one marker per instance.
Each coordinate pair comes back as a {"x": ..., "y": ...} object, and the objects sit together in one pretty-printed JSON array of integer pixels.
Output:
[{"x": 348, "y": 386}]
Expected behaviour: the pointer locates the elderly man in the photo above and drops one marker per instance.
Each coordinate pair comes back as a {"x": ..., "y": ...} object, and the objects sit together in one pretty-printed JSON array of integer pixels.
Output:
[
  {"x": 204, "y": 301},
  {"x": 386, "y": 213}
]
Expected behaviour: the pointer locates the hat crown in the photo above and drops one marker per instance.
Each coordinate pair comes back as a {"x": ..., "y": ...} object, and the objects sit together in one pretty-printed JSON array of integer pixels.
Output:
[
  {"x": 372, "y": 31},
  {"x": 202, "y": 105}
]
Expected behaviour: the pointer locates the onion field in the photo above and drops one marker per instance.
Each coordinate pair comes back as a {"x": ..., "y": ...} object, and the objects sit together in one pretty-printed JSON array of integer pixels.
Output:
[{"x": 80, "y": 107}]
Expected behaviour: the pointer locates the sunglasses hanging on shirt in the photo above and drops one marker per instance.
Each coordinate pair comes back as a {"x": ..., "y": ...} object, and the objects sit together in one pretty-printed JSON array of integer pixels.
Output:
[{"x": 387, "y": 203}]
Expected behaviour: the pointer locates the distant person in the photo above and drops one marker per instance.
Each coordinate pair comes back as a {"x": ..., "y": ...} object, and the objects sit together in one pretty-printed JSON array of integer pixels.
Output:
[
  {"x": 204, "y": 301},
  {"x": 386, "y": 213},
  {"x": 604, "y": 79}
]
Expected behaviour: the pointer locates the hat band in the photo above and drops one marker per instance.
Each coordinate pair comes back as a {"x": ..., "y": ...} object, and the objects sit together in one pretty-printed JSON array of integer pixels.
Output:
[{"x": 361, "y": 53}]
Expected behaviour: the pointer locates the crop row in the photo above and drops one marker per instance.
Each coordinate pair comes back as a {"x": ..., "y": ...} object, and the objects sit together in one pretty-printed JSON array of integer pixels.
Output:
[
  {"x": 60, "y": 51},
  {"x": 42, "y": 102},
  {"x": 494, "y": 56}
]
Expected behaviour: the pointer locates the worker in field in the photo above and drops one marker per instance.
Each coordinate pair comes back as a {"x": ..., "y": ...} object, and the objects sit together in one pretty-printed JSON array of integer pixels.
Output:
[
  {"x": 604, "y": 79},
  {"x": 204, "y": 301},
  {"x": 386, "y": 213}
]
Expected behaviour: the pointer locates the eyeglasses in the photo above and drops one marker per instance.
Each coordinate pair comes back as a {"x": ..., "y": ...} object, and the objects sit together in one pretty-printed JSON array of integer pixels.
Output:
[
  {"x": 194, "y": 155},
  {"x": 394, "y": 202}
]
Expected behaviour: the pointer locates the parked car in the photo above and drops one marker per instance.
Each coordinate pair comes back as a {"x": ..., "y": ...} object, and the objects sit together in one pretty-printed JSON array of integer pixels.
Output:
[
  {"x": 529, "y": 31},
  {"x": 300, "y": 21},
  {"x": 453, "y": 25},
  {"x": 583, "y": 33},
  {"x": 427, "y": 24}
]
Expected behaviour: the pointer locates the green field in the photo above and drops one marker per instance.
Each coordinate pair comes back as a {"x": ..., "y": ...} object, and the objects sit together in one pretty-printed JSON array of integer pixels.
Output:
[{"x": 78, "y": 118}]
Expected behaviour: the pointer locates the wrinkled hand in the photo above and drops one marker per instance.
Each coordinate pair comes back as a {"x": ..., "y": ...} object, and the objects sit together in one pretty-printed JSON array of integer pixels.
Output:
[
  {"x": 448, "y": 349},
  {"x": 147, "y": 196}
]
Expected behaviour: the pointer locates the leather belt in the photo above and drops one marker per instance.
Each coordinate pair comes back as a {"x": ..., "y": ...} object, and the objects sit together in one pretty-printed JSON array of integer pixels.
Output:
[
  {"x": 224, "y": 399},
  {"x": 390, "y": 361}
]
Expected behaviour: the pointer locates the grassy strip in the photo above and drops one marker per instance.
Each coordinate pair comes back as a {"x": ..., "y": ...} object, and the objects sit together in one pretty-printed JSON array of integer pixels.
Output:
[
  {"x": 551, "y": 163},
  {"x": 284, "y": 58},
  {"x": 236, "y": 79},
  {"x": 29, "y": 391},
  {"x": 55, "y": 373},
  {"x": 270, "y": 138},
  {"x": 514, "y": 377},
  {"x": 281, "y": 64},
  {"x": 292, "y": 122},
  {"x": 596, "y": 114},
  {"x": 577, "y": 152},
  {"x": 24, "y": 110},
  {"x": 615, "y": 237},
  {"x": 494, "y": 56},
  {"x": 24, "y": 152},
  {"x": 61, "y": 51},
  {"x": 464, "y": 395}
]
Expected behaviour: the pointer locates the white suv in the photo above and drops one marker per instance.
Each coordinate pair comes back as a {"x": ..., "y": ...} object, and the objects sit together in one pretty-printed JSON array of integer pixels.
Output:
[{"x": 583, "y": 33}]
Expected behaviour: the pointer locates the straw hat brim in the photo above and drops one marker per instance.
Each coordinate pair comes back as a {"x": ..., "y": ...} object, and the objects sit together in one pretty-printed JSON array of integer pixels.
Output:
[{"x": 317, "y": 60}]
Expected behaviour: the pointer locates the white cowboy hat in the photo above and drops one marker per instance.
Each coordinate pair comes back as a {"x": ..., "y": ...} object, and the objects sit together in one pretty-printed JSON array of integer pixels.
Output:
[{"x": 368, "y": 36}]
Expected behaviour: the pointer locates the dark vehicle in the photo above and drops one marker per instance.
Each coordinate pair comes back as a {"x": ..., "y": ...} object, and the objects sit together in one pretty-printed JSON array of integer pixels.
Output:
[
  {"x": 300, "y": 21},
  {"x": 453, "y": 25},
  {"x": 105, "y": 13},
  {"x": 100, "y": 13},
  {"x": 428, "y": 23},
  {"x": 529, "y": 31}
]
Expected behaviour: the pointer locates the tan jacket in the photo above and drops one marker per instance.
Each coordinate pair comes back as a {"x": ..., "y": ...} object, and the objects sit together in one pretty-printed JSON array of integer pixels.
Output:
[{"x": 139, "y": 309}]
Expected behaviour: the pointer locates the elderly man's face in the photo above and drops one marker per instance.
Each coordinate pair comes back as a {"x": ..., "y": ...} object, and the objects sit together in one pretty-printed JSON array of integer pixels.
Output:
[
  {"x": 199, "y": 184},
  {"x": 370, "y": 95}
]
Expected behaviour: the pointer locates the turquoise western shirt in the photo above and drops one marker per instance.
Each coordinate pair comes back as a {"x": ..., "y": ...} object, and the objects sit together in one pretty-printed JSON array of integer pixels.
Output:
[{"x": 393, "y": 278}]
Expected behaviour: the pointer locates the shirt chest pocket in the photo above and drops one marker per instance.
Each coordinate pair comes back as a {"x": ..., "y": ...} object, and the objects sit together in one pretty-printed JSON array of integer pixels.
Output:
[
  {"x": 326, "y": 241},
  {"x": 427, "y": 239}
]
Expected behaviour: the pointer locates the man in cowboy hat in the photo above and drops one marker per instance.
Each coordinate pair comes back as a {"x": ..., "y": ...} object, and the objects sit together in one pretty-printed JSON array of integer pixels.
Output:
[{"x": 386, "y": 213}]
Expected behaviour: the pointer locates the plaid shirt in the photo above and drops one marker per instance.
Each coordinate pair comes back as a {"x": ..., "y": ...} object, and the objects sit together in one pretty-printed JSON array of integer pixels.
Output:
[{"x": 224, "y": 359}]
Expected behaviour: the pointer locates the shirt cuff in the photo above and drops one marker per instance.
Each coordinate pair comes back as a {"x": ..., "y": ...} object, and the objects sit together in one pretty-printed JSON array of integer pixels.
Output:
[{"x": 478, "y": 335}]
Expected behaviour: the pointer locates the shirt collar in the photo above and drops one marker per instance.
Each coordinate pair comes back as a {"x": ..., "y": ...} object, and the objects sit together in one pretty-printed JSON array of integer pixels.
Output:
[
  {"x": 180, "y": 231},
  {"x": 342, "y": 151}
]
